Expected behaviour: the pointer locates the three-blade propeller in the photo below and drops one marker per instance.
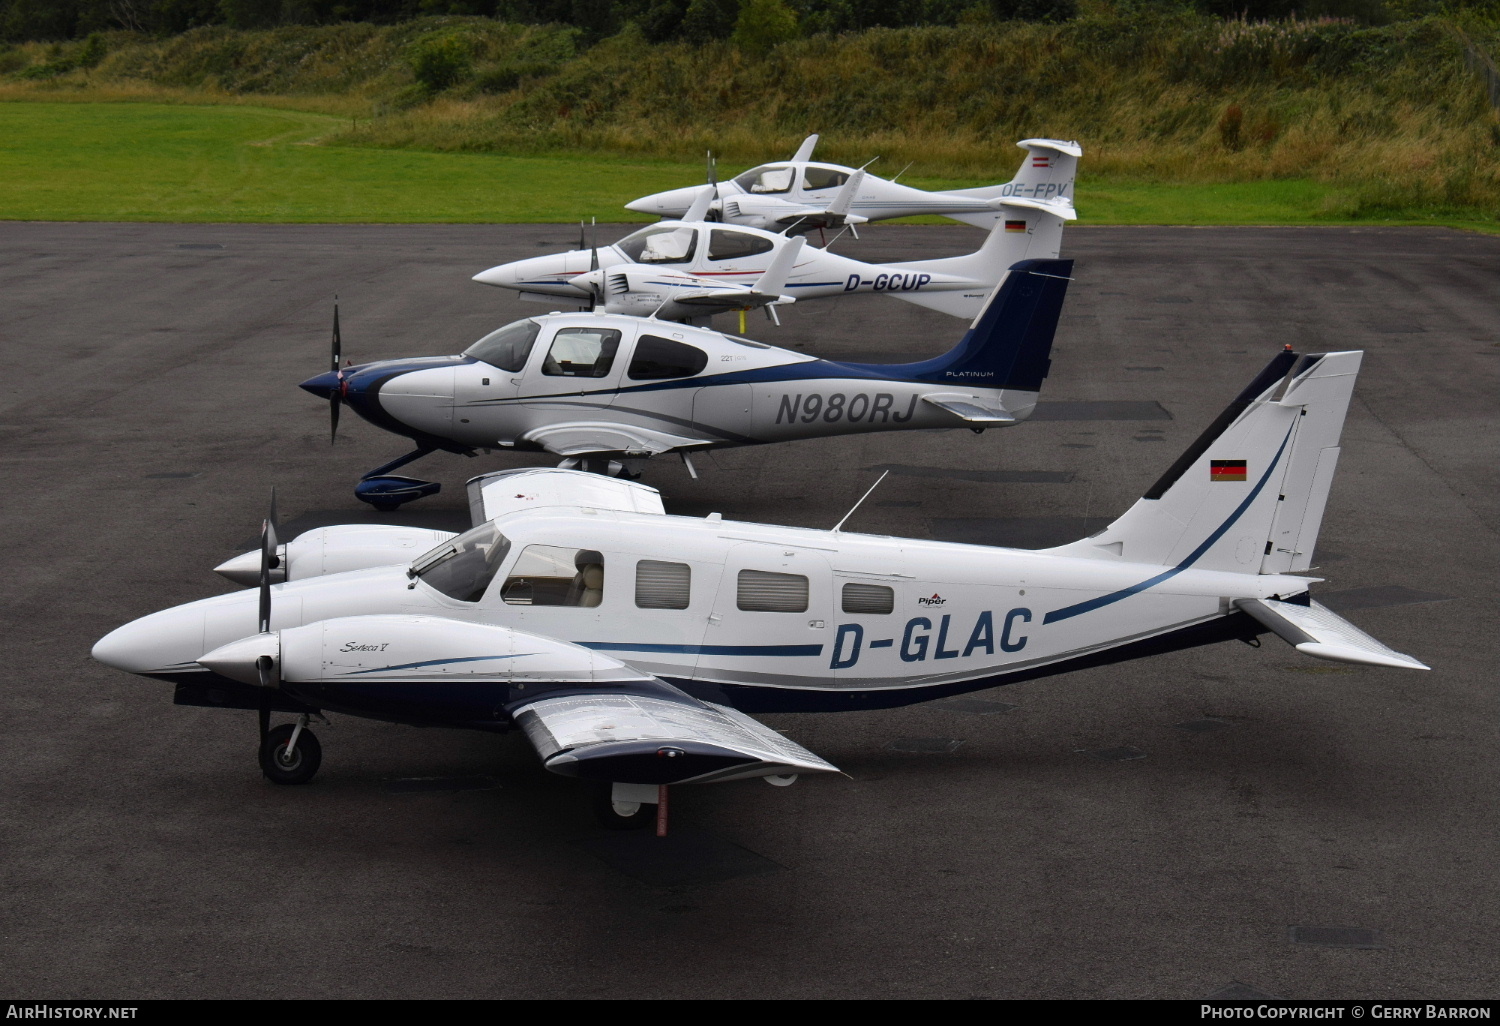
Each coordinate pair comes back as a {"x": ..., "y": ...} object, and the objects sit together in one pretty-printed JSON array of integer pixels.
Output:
[{"x": 270, "y": 557}]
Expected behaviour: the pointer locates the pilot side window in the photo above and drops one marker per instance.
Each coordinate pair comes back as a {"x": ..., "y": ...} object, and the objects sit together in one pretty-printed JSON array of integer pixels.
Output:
[
  {"x": 506, "y": 348},
  {"x": 463, "y": 567},
  {"x": 657, "y": 358},
  {"x": 662, "y": 585},
  {"x": 582, "y": 353},
  {"x": 868, "y": 598},
  {"x": 727, "y": 245},
  {"x": 555, "y": 575},
  {"x": 823, "y": 178},
  {"x": 764, "y": 180},
  {"x": 660, "y": 245},
  {"x": 761, "y": 591}
]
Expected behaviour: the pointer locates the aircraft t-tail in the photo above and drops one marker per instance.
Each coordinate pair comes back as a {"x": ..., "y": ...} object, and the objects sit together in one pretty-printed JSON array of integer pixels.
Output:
[
  {"x": 801, "y": 195},
  {"x": 596, "y": 389},
  {"x": 630, "y": 647}
]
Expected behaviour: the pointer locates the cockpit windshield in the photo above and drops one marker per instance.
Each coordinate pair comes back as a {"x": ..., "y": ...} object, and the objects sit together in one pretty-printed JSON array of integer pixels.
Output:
[
  {"x": 660, "y": 245},
  {"x": 507, "y": 347},
  {"x": 768, "y": 179},
  {"x": 463, "y": 567}
]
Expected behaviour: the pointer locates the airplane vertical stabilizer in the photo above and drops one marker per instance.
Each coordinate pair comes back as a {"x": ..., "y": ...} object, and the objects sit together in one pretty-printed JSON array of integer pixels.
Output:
[
  {"x": 1048, "y": 173},
  {"x": 1248, "y": 495},
  {"x": 1009, "y": 344}
]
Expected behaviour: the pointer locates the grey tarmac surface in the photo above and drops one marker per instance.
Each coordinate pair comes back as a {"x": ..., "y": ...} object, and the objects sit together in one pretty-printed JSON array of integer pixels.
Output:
[{"x": 1165, "y": 828}]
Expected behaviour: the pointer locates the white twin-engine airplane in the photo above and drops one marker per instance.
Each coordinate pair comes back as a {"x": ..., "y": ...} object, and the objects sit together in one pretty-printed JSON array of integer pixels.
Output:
[
  {"x": 690, "y": 269},
  {"x": 598, "y": 388},
  {"x": 630, "y": 646},
  {"x": 801, "y": 195}
]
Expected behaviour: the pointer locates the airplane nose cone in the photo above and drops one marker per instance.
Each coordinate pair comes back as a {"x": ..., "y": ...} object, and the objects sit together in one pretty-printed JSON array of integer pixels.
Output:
[
  {"x": 644, "y": 205},
  {"x": 167, "y": 641},
  {"x": 245, "y": 569},
  {"x": 503, "y": 275},
  {"x": 322, "y": 386}
]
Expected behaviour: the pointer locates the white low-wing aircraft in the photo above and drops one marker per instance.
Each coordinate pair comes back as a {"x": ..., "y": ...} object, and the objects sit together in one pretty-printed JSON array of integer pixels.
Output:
[
  {"x": 689, "y": 270},
  {"x": 800, "y": 195},
  {"x": 630, "y": 646},
  {"x": 597, "y": 388}
]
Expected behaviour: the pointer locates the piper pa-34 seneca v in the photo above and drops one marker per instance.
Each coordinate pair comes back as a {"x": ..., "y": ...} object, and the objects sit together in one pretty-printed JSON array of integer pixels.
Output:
[
  {"x": 630, "y": 646},
  {"x": 597, "y": 389},
  {"x": 689, "y": 270},
  {"x": 800, "y": 195}
]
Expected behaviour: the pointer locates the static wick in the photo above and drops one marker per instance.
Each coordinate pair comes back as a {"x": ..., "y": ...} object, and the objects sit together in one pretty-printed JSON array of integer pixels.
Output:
[{"x": 862, "y": 498}]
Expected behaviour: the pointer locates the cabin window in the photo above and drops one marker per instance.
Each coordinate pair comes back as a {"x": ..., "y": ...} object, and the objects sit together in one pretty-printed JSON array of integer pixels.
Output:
[
  {"x": 660, "y": 585},
  {"x": 727, "y": 245},
  {"x": 823, "y": 178},
  {"x": 869, "y": 598},
  {"x": 555, "y": 575},
  {"x": 463, "y": 567},
  {"x": 507, "y": 348},
  {"x": 662, "y": 358},
  {"x": 582, "y": 353},
  {"x": 763, "y": 180},
  {"x": 660, "y": 245},
  {"x": 761, "y": 591}
]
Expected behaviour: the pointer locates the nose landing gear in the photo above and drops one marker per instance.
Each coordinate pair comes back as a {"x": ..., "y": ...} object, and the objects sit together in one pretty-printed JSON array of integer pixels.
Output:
[
  {"x": 290, "y": 753},
  {"x": 387, "y": 492}
]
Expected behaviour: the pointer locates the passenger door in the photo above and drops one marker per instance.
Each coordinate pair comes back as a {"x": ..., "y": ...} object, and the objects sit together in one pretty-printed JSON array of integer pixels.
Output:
[{"x": 770, "y": 619}]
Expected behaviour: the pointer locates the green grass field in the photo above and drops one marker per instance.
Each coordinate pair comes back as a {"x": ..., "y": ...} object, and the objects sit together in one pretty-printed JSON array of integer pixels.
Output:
[{"x": 83, "y": 161}]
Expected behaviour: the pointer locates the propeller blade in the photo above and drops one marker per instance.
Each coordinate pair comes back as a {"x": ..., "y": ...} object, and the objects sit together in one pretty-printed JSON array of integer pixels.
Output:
[
  {"x": 334, "y": 402},
  {"x": 582, "y": 242},
  {"x": 274, "y": 546},
  {"x": 265, "y": 577},
  {"x": 338, "y": 345},
  {"x": 594, "y": 246}
]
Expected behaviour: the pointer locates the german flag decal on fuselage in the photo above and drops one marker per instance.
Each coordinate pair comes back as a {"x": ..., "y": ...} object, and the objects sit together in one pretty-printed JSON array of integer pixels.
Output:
[
  {"x": 1015, "y": 226},
  {"x": 1226, "y": 470}
]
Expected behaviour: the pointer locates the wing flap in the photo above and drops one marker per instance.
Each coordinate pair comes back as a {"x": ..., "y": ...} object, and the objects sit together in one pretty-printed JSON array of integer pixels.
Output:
[
  {"x": 1318, "y": 631},
  {"x": 505, "y": 491},
  {"x": 582, "y": 438},
  {"x": 645, "y": 739}
]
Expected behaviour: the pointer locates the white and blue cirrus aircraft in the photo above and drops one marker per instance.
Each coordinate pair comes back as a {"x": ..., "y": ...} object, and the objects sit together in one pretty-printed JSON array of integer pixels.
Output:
[
  {"x": 801, "y": 195},
  {"x": 630, "y": 646},
  {"x": 597, "y": 388},
  {"x": 690, "y": 269}
]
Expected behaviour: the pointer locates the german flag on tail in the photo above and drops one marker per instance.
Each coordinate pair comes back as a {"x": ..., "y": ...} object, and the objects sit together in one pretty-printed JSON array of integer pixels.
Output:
[
  {"x": 1015, "y": 226},
  {"x": 1226, "y": 470}
]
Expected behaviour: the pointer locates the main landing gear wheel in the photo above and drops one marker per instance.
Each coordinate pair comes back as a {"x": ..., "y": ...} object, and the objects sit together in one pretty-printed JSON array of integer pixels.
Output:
[
  {"x": 283, "y": 764},
  {"x": 613, "y": 815}
]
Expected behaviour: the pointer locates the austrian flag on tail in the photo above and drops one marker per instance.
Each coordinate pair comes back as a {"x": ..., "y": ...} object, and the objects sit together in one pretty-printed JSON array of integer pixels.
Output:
[
  {"x": 1226, "y": 470},
  {"x": 1041, "y": 160}
]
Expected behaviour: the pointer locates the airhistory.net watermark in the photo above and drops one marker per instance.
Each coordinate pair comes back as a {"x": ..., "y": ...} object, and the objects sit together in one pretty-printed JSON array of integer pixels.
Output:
[{"x": 49, "y": 1011}]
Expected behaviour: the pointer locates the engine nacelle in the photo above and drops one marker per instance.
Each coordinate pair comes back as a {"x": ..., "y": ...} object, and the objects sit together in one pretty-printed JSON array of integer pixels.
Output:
[{"x": 334, "y": 550}]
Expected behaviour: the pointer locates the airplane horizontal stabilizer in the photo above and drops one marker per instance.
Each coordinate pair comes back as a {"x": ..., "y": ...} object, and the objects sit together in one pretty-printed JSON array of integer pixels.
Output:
[
  {"x": 505, "y": 491},
  {"x": 1318, "y": 631},
  {"x": 970, "y": 409},
  {"x": 647, "y": 739}
]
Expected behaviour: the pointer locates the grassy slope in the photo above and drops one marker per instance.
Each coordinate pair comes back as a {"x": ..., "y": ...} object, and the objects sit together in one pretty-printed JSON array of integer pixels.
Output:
[{"x": 158, "y": 162}]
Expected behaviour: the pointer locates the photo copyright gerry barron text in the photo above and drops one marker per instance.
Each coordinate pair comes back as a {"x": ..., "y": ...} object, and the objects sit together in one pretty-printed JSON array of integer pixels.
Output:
[{"x": 1351, "y": 1010}]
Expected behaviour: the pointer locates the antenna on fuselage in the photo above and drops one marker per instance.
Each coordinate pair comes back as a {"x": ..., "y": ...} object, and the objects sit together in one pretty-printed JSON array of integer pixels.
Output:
[
  {"x": 903, "y": 171},
  {"x": 862, "y": 498}
]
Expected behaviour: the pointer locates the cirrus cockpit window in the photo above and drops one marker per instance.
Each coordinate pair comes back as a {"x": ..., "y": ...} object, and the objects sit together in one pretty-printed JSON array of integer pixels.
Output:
[
  {"x": 507, "y": 348},
  {"x": 463, "y": 567}
]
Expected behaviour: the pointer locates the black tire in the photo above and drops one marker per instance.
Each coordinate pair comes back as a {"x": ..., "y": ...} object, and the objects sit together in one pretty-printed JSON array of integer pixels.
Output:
[
  {"x": 304, "y": 761},
  {"x": 610, "y": 819}
]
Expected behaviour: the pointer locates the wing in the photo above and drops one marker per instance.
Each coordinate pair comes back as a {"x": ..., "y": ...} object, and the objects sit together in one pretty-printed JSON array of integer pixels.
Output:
[
  {"x": 663, "y": 738},
  {"x": 494, "y": 495},
  {"x": 589, "y": 438}
]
